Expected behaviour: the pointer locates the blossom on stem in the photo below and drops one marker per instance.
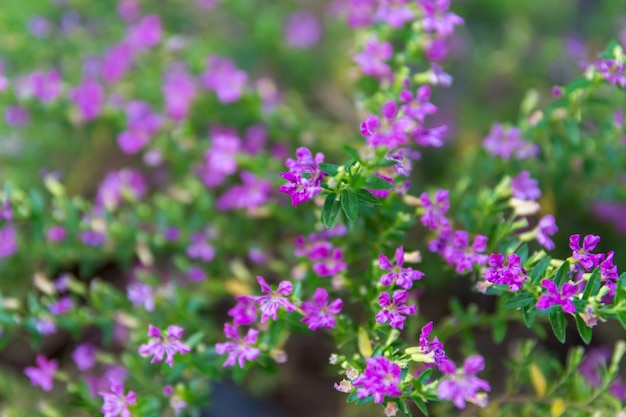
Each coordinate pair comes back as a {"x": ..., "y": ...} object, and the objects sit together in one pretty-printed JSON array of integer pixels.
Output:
[
  {"x": 546, "y": 227},
  {"x": 224, "y": 79},
  {"x": 524, "y": 187},
  {"x": 394, "y": 12},
  {"x": 88, "y": 96},
  {"x": 511, "y": 274},
  {"x": 463, "y": 385},
  {"x": 304, "y": 176},
  {"x": 84, "y": 356},
  {"x": 43, "y": 373},
  {"x": 554, "y": 297},
  {"x": 274, "y": 299},
  {"x": 394, "y": 309},
  {"x": 330, "y": 262},
  {"x": 387, "y": 129},
  {"x": 372, "y": 60},
  {"x": 418, "y": 106},
  {"x": 435, "y": 346},
  {"x": 464, "y": 256},
  {"x": 436, "y": 19},
  {"x": 609, "y": 273},
  {"x": 116, "y": 402},
  {"x": 179, "y": 90},
  {"x": 584, "y": 256},
  {"x": 403, "y": 277},
  {"x": 302, "y": 30},
  {"x": 381, "y": 378},
  {"x": 164, "y": 346},
  {"x": 239, "y": 350},
  {"x": 320, "y": 314},
  {"x": 244, "y": 312},
  {"x": 8, "y": 241},
  {"x": 507, "y": 143},
  {"x": 435, "y": 210},
  {"x": 613, "y": 71}
]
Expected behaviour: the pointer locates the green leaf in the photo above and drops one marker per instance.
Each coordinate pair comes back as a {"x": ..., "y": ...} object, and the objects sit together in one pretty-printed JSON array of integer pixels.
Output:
[
  {"x": 353, "y": 152},
  {"x": 578, "y": 83},
  {"x": 366, "y": 197},
  {"x": 572, "y": 131},
  {"x": 498, "y": 331},
  {"x": 537, "y": 273},
  {"x": 377, "y": 183},
  {"x": 593, "y": 285},
  {"x": 422, "y": 379},
  {"x": 366, "y": 400},
  {"x": 584, "y": 331},
  {"x": 529, "y": 319},
  {"x": 522, "y": 252},
  {"x": 330, "y": 210},
  {"x": 419, "y": 402},
  {"x": 350, "y": 204},
  {"x": 558, "y": 323},
  {"x": 404, "y": 408},
  {"x": 520, "y": 300},
  {"x": 330, "y": 169},
  {"x": 621, "y": 316},
  {"x": 562, "y": 274},
  {"x": 352, "y": 397}
]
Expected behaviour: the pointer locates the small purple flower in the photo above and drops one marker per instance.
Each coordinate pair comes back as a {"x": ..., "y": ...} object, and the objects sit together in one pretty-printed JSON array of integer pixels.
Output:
[
  {"x": 239, "y": 350},
  {"x": 613, "y": 71},
  {"x": 463, "y": 385},
  {"x": 360, "y": 12},
  {"x": 418, "y": 106},
  {"x": 38, "y": 26},
  {"x": 331, "y": 262},
  {"x": 253, "y": 193},
  {"x": 196, "y": 274},
  {"x": 45, "y": 326},
  {"x": 302, "y": 30},
  {"x": 116, "y": 62},
  {"x": 115, "y": 402},
  {"x": 524, "y": 187},
  {"x": 609, "y": 273},
  {"x": 436, "y": 19},
  {"x": 141, "y": 294},
  {"x": 434, "y": 215},
  {"x": 320, "y": 314},
  {"x": 16, "y": 116},
  {"x": 56, "y": 234},
  {"x": 179, "y": 90},
  {"x": 224, "y": 78},
  {"x": 46, "y": 86},
  {"x": 244, "y": 312},
  {"x": 373, "y": 59},
  {"x": 587, "y": 259},
  {"x": 119, "y": 184},
  {"x": 84, "y": 356},
  {"x": 274, "y": 299},
  {"x": 507, "y": 143},
  {"x": 434, "y": 346},
  {"x": 554, "y": 297},
  {"x": 438, "y": 76},
  {"x": 511, "y": 274},
  {"x": 146, "y": 33},
  {"x": 547, "y": 227},
  {"x": 394, "y": 309},
  {"x": 88, "y": 96},
  {"x": 43, "y": 374},
  {"x": 200, "y": 247},
  {"x": 394, "y": 12},
  {"x": 403, "y": 277},
  {"x": 464, "y": 256},
  {"x": 381, "y": 378},
  {"x": 220, "y": 159},
  {"x": 61, "y": 306},
  {"x": 142, "y": 124},
  {"x": 93, "y": 238},
  {"x": 304, "y": 176},
  {"x": 8, "y": 241},
  {"x": 387, "y": 129},
  {"x": 164, "y": 346}
]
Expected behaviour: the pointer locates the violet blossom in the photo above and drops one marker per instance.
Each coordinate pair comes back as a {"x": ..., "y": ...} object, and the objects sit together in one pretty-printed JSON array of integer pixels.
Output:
[
  {"x": 464, "y": 256},
  {"x": 84, "y": 356},
  {"x": 16, "y": 116},
  {"x": 146, "y": 33},
  {"x": 61, "y": 306},
  {"x": 437, "y": 18},
  {"x": 8, "y": 241},
  {"x": 116, "y": 402},
  {"x": 508, "y": 142},
  {"x": 302, "y": 30},
  {"x": 435, "y": 210},
  {"x": 239, "y": 350},
  {"x": 274, "y": 299},
  {"x": 387, "y": 129},
  {"x": 435, "y": 346},
  {"x": 583, "y": 254},
  {"x": 200, "y": 247},
  {"x": 394, "y": 309},
  {"x": 88, "y": 97},
  {"x": 511, "y": 273},
  {"x": 318, "y": 313},
  {"x": 244, "y": 312},
  {"x": 463, "y": 385},
  {"x": 394, "y": 12},
  {"x": 304, "y": 176},
  {"x": 613, "y": 71},
  {"x": 43, "y": 374},
  {"x": 373, "y": 59},
  {"x": 402, "y": 277},
  {"x": 56, "y": 234},
  {"x": 224, "y": 79},
  {"x": 179, "y": 91},
  {"x": 418, "y": 106},
  {"x": 164, "y": 346},
  {"x": 330, "y": 262},
  {"x": 554, "y": 297},
  {"x": 546, "y": 227},
  {"x": 46, "y": 86},
  {"x": 116, "y": 62},
  {"x": 381, "y": 378},
  {"x": 220, "y": 159},
  {"x": 254, "y": 192},
  {"x": 524, "y": 187},
  {"x": 142, "y": 124},
  {"x": 116, "y": 185},
  {"x": 141, "y": 294}
]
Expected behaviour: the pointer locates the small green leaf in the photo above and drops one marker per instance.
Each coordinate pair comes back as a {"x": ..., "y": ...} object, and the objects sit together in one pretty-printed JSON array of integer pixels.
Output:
[
  {"x": 529, "y": 319},
  {"x": 584, "y": 331},
  {"x": 537, "y": 273},
  {"x": 350, "y": 204},
  {"x": 377, "y": 183},
  {"x": 366, "y": 400},
  {"x": 593, "y": 285},
  {"x": 404, "y": 408},
  {"x": 522, "y": 252},
  {"x": 330, "y": 169},
  {"x": 422, "y": 379},
  {"x": 562, "y": 274},
  {"x": 366, "y": 197},
  {"x": 498, "y": 331},
  {"x": 572, "y": 131},
  {"x": 353, "y": 152},
  {"x": 352, "y": 397},
  {"x": 621, "y": 316},
  {"x": 558, "y": 323},
  {"x": 419, "y": 402},
  {"x": 330, "y": 210},
  {"x": 520, "y": 300}
]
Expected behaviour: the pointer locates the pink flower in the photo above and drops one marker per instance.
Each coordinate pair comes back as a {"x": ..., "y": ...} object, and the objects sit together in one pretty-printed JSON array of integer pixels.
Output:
[
  {"x": 88, "y": 96},
  {"x": 587, "y": 259},
  {"x": 547, "y": 227},
  {"x": 302, "y": 30},
  {"x": 179, "y": 90},
  {"x": 331, "y": 262},
  {"x": 304, "y": 176},
  {"x": 164, "y": 346},
  {"x": 436, "y": 19},
  {"x": 387, "y": 129},
  {"x": 61, "y": 306},
  {"x": 434, "y": 346},
  {"x": 512, "y": 274},
  {"x": 464, "y": 256},
  {"x": 146, "y": 33},
  {"x": 115, "y": 402},
  {"x": 417, "y": 107},
  {"x": 319, "y": 314},
  {"x": 463, "y": 385},
  {"x": 244, "y": 312},
  {"x": 394, "y": 312},
  {"x": 84, "y": 356},
  {"x": 394, "y": 12},
  {"x": 239, "y": 350},
  {"x": 554, "y": 297},
  {"x": 8, "y": 241},
  {"x": 434, "y": 214},
  {"x": 43, "y": 374},
  {"x": 224, "y": 78},
  {"x": 273, "y": 300},
  {"x": 381, "y": 378},
  {"x": 403, "y": 277},
  {"x": 524, "y": 187},
  {"x": 373, "y": 59}
]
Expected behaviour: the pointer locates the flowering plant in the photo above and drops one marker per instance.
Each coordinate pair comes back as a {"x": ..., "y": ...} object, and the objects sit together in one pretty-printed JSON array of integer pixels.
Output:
[{"x": 240, "y": 209}]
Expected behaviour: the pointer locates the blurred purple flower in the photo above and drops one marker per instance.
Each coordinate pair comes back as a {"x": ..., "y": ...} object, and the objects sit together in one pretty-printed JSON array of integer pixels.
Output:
[
  {"x": 387, "y": 129},
  {"x": 43, "y": 374},
  {"x": 179, "y": 90},
  {"x": 239, "y": 350},
  {"x": 254, "y": 192},
  {"x": 146, "y": 33},
  {"x": 222, "y": 77},
  {"x": 463, "y": 385},
  {"x": 318, "y": 313},
  {"x": 38, "y": 26},
  {"x": 88, "y": 96},
  {"x": 164, "y": 346},
  {"x": 93, "y": 238},
  {"x": 61, "y": 306},
  {"x": 142, "y": 124},
  {"x": 196, "y": 274},
  {"x": 116, "y": 402},
  {"x": 372, "y": 60},
  {"x": 118, "y": 185},
  {"x": 394, "y": 12},
  {"x": 509, "y": 142},
  {"x": 141, "y": 294},
  {"x": 244, "y": 312},
  {"x": 46, "y": 86},
  {"x": 434, "y": 211},
  {"x": 546, "y": 227},
  {"x": 436, "y": 19},
  {"x": 16, "y": 116},
  {"x": 200, "y": 247},
  {"x": 435, "y": 346},
  {"x": 84, "y": 356},
  {"x": 464, "y": 256},
  {"x": 302, "y": 30},
  {"x": 328, "y": 262},
  {"x": 220, "y": 159},
  {"x": 116, "y": 62},
  {"x": 524, "y": 187}
]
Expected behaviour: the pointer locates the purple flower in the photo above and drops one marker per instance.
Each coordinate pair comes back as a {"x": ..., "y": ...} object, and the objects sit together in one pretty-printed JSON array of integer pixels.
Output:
[
  {"x": 438, "y": 76},
  {"x": 239, "y": 350},
  {"x": 224, "y": 78},
  {"x": 141, "y": 294},
  {"x": 609, "y": 273},
  {"x": 46, "y": 86},
  {"x": 587, "y": 259},
  {"x": 56, "y": 234},
  {"x": 115, "y": 402},
  {"x": 302, "y": 30},
  {"x": 403, "y": 277},
  {"x": 220, "y": 159},
  {"x": 331, "y": 262},
  {"x": 142, "y": 124},
  {"x": 196, "y": 274},
  {"x": 8, "y": 241},
  {"x": 43, "y": 373},
  {"x": 61, "y": 306},
  {"x": 116, "y": 62},
  {"x": 179, "y": 90},
  {"x": 164, "y": 346},
  {"x": 463, "y": 385},
  {"x": 394, "y": 12},
  {"x": 274, "y": 299},
  {"x": 38, "y": 26},
  {"x": 554, "y": 297},
  {"x": 304, "y": 176},
  {"x": 430, "y": 137},
  {"x": 613, "y": 71},
  {"x": 435, "y": 346},
  {"x": 128, "y": 10},
  {"x": 381, "y": 378},
  {"x": 417, "y": 107},
  {"x": 85, "y": 356},
  {"x": 318, "y": 313},
  {"x": 244, "y": 312},
  {"x": 360, "y": 12},
  {"x": 434, "y": 213},
  {"x": 547, "y": 227},
  {"x": 394, "y": 309},
  {"x": 146, "y": 33},
  {"x": 507, "y": 143},
  {"x": 511, "y": 274},
  {"x": 93, "y": 238},
  {"x": 116, "y": 185},
  {"x": 372, "y": 60},
  {"x": 16, "y": 116},
  {"x": 45, "y": 326},
  {"x": 200, "y": 248},
  {"x": 254, "y": 192},
  {"x": 387, "y": 129},
  {"x": 462, "y": 255},
  {"x": 524, "y": 187},
  {"x": 88, "y": 96},
  {"x": 436, "y": 19}
]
